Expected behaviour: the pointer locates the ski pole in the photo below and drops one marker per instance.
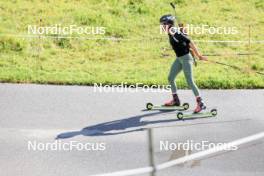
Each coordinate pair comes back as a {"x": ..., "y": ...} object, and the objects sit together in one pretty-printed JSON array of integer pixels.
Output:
[
  {"x": 175, "y": 13},
  {"x": 234, "y": 67},
  {"x": 174, "y": 7},
  {"x": 236, "y": 54}
]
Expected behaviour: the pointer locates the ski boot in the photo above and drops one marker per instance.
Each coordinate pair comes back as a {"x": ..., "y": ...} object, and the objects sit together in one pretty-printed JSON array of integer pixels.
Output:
[
  {"x": 200, "y": 105},
  {"x": 174, "y": 102}
]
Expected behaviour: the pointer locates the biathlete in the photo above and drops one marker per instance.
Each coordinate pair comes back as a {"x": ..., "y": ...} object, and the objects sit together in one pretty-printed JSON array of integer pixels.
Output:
[{"x": 182, "y": 46}]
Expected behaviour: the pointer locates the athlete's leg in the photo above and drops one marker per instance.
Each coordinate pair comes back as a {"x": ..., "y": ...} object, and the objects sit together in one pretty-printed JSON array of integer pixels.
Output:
[
  {"x": 174, "y": 71},
  {"x": 187, "y": 62},
  {"x": 187, "y": 69}
]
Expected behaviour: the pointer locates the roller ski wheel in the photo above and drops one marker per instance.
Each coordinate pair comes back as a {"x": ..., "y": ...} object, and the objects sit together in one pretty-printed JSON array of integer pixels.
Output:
[
  {"x": 214, "y": 112},
  {"x": 186, "y": 106},
  {"x": 149, "y": 106},
  {"x": 180, "y": 115}
]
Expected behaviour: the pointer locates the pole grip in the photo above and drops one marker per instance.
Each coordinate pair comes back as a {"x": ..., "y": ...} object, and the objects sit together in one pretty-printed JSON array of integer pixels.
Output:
[{"x": 172, "y": 5}]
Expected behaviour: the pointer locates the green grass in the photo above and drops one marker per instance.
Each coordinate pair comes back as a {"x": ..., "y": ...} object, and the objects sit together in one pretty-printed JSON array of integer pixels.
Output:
[{"x": 145, "y": 60}]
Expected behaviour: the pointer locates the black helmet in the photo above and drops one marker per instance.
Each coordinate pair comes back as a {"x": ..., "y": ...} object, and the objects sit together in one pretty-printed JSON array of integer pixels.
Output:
[{"x": 167, "y": 19}]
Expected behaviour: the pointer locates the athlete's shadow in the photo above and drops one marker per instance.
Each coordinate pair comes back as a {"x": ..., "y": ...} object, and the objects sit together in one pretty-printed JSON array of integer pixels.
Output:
[{"x": 130, "y": 124}]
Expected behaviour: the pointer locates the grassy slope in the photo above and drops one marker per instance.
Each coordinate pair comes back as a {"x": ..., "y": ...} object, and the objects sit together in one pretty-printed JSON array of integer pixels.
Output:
[{"x": 75, "y": 61}]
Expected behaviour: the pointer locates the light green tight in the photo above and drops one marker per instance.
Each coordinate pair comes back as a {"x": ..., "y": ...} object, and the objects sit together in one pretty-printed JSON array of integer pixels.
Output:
[{"x": 183, "y": 63}]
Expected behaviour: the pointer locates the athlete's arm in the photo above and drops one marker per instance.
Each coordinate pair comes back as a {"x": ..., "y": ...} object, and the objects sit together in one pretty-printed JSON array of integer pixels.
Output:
[{"x": 196, "y": 51}]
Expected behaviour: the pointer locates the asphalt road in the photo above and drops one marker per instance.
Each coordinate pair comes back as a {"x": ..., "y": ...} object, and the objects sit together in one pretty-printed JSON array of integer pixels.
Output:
[{"x": 113, "y": 126}]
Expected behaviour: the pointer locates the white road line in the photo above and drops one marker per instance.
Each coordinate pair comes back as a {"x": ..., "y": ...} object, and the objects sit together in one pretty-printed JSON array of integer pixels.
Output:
[{"x": 194, "y": 156}]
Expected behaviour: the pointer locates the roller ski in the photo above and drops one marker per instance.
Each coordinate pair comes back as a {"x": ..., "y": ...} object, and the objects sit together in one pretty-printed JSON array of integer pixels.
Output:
[
  {"x": 200, "y": 111},
  {"x": 203, "y": 113},
  {"x": 173, "y": 104},
  {"x": 150, "y": 106}
]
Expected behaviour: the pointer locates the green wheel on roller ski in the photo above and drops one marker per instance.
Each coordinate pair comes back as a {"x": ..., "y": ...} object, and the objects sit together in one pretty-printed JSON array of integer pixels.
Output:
[
  {"x": 180, "y": 115},
  {"x": 214, "y": 112},
  {"x": 186, "y": 106},
  {"x": 149, "y": 106}
]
